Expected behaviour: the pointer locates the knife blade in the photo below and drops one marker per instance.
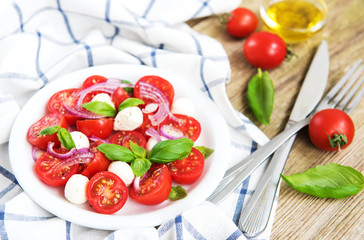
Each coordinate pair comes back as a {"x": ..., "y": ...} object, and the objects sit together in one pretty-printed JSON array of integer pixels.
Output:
[{"x": 255, "y": 215}]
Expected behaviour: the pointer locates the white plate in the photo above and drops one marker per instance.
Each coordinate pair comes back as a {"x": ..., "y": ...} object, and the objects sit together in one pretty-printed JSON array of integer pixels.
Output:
[{"x": 214, "y": 135}]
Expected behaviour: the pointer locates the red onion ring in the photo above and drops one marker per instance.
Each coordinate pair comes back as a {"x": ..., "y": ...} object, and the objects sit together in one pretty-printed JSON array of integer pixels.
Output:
[
  {"x": 97, "y": 139},
  {"x": 60, "y": 155},
  {"x": 153, "y": 133},
  {"x": 170, "y": 132},
  {"x": 147, "y": 90},
  {"x": 36, "y": 153}
]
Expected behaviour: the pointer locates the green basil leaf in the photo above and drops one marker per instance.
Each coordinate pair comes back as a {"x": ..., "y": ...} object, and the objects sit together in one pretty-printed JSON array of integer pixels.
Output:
[
  {"x": 128, "y": 89},
  {"x": 138, "y": 151},
  {"x": 50, "y": 130},
  {"x": 65, "y": 138},
  {"x": 206, "y": 152},
  {"x": 261, "y": 96},
  {"x": 130, "y": 102},
  {"x": 116, "y": 152},
  {"x": 170, "y": 150},
  {"x": 327, "y": 181},
  {"x": 140, "y": 166},
  {"x": 100, "y": 108},
  {"x": 177, "y": 193}
]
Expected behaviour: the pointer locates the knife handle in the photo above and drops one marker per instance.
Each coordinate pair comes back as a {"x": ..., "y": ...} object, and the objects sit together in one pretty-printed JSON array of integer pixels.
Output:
[{"x": 255, "y": 215}]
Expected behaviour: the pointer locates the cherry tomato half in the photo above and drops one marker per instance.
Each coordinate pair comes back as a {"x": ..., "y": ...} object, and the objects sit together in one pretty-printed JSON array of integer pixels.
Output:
[
  {"x": 158, "y": 82},
  {"x": 101, "y": 128},
  {"x": 106, "y": 192},
  {"x": 123, "y": 138},
  {"x": 242, "y": 22},
  {"x": 119, "y": 96},
  {"x": 51, "y": 170},
  {"x": 189, "y": 169},
  {"x": 67, "y": 96},
  {"x": 154, "y": 186},
  {"x": 264, "y": 50},
  {"x": 189, "y": 126},
  {"x": 92, "y": 80},
  {"x": 331, "y": 125},
  {"x": 49, "y": 120}
]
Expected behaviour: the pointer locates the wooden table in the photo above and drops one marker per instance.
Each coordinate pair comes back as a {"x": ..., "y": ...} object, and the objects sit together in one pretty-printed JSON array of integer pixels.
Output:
[{"x": 301, "y": 216}]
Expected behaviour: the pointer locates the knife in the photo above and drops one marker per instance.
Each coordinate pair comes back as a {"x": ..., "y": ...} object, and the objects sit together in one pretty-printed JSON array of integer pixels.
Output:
[{"x": 255, "y": 215}]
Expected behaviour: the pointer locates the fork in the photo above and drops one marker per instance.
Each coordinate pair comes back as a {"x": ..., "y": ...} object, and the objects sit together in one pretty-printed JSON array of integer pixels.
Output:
[
  {"x": 239, "y": 172},
  {"x": 255, "y": 215}
]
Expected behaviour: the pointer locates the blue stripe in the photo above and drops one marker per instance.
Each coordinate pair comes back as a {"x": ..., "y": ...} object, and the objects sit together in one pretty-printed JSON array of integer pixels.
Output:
[
  {"x": 89, "y": 56},
  {"x": 40, "y": 73},
  {"x": 235, "y": 235},
  {"x": 3, "y": 233},
  {"x": 68, "y": 230},
  {"x": 24, "y": 218},
  {"x": 66, "y": 22},
  {"x": 154, "y": 60},
  {"x": 116, "y": 33},
  {"x": 147, "y": 10},
  {"x": 7, "y": 189},
  {"x": 107, "y": 11},
  {"x": 20, "y": 14},
  {"x": 193, "y": 231},
  {"x": 205, "y": 4},
  {"x": 240, "y": 146},
  {"x": 203, "y": 78},
  {"x": 111, "y": 236},
  {"x": 8, "y": 175},
  {"x": 179, "y": 230},
  {"x": 165, "y": 227},
  {"x": 240, "y": 202},
  {"x": 17, "y": 76}
]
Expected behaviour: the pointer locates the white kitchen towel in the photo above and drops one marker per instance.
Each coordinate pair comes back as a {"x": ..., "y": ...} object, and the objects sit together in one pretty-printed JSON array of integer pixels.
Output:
[{"x": 41, "y": 40}]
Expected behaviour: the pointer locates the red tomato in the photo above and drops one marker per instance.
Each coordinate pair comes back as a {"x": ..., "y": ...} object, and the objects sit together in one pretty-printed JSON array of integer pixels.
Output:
[
  {"x": 52, "y": 172},
  {"x": 55, "y": 103},
  {"x": 123, "y": 138},
  {"x": 106, "y": 192},
  {"x": 99, "y": 163},
  {"x": 101, "y": 128},
  {"x": 331, "y": 125},
  {"x": 160, "y": 83},
  {"x": 119, "y": 96},
  {"x": 242, "y": 22},
  {"x": 264, "y": 50},
  {"x": 190, "y": 127},
  {"x": 49, "y": 120},
  {"x": 189, "y": 169},
  {"x": 92, "y": 80},
  {"x": 154, "y": 186}
]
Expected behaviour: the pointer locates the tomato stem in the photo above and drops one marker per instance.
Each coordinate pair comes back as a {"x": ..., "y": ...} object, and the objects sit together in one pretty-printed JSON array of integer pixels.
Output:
[{"x": 337, "y": 140}]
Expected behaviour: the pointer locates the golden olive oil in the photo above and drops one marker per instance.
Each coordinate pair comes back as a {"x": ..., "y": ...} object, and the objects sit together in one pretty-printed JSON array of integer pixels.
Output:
[{"x": 295, "y": 20}]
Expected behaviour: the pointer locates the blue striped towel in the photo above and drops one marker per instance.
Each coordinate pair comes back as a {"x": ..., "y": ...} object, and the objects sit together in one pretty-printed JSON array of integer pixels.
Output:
[{"x": 41, "y": 40}]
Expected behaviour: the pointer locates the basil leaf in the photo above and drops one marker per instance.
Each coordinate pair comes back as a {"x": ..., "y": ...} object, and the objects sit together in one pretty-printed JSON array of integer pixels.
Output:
[
  {"x": 116, "y": 152},
  {"x": 100, "y": 108},
  {"x": 138, "y": 150},
  {"x": 50, "y": 130},
  {"x": 170, "y": 150},
  {"x": 128, "y": 89},
  {"x": 130, "y": 102},
  {"x": 206, "y": 152},
  {"x": 65, "y": 138},
  {"x": 327, "y": 181},
  {"x": 140, "y": 166},
  {"x": 177, "y": 193},
  {"x": 261, "y": 96}
]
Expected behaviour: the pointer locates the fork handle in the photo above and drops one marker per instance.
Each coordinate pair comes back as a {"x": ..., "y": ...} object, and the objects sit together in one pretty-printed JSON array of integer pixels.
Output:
[
  {"x": 239, "y": 172},
  {"x": 255, "y": 215}
]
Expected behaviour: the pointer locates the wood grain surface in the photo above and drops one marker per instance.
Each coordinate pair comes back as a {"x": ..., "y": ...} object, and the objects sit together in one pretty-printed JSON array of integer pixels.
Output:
[{"x": 301, "y": 216}]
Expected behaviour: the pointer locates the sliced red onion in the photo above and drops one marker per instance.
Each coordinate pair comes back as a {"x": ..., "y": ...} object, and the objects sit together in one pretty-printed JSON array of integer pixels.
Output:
[
  {"x": 36, "y": 153},
  {"x": 149, "y": 108},
  {"x": 153, "y": 133},
  {"x": 97, "y": 139},
  {"x": 160, "y": 115},
  {"x": 136, "y": 184},
  {"x": 147, "y": 90},
  {"x": 81, "y": 112},
  {"x": 79, "y": 159},
  {"x": 170, "y": 132},
  {"x": 60, "y": 155}
]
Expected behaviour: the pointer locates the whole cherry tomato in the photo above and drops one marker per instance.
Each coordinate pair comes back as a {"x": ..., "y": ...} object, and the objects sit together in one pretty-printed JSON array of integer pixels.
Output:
[
  {"x": 331, "y": 129},
  {"x": 264, "y": 50},
  {"x": 242, "y": 22}
]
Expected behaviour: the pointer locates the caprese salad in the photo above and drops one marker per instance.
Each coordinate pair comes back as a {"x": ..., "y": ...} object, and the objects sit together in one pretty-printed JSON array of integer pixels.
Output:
[{"x": 110, "y": 139}]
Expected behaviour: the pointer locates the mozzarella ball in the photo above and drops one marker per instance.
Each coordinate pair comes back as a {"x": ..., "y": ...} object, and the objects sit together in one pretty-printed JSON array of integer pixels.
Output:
[
  {"x": 128, "y": 119},
  {"x": 75, "y": 189},
  {"x": 123, "y": 170},
  {"x": 103, "y": 97},
  {"x": 80, "y": 140},
  {"x": 183, "y": 106}
]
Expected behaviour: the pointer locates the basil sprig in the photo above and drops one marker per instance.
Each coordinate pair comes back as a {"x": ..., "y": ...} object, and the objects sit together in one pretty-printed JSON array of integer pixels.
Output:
[
  {"x": 66, "y": 139},
  {"x": 49, "y": 130},
  {"x": 177, "y": 193},
  {"x": 206, "y": 152},
  {"x": 100, "y": 108},
  {"x": 163, "y": 152},
  {"x": 261, "y": 96},
  {"x": 130, "y": 102},
  {"x": 327, "y": 181}
]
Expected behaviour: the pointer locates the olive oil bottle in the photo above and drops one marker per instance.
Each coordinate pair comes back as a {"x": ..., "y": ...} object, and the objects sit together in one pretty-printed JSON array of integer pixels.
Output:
[{"x": 294, "y": 20}]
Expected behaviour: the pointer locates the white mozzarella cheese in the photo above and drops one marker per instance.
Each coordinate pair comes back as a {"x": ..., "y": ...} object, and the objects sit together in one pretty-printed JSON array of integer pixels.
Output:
[
  {"x": 75, "y": 189},
  {"x": 80, "y": 140},
  {"x": 103, "y": 97},
  {"x": 128, "y": 119},
  {"x": 123, "y": 170},
  {"x": 183, "y": 106}
]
